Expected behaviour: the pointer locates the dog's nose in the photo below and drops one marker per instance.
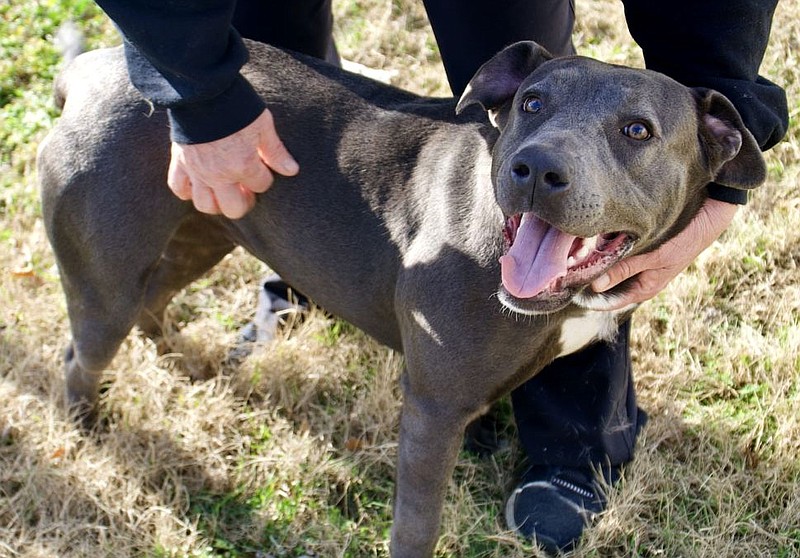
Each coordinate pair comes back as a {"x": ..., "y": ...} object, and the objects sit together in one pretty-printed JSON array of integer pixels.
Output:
[{"x": 537, "y": 168}]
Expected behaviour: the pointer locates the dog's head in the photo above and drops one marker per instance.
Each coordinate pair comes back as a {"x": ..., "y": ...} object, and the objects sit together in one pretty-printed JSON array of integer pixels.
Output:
[{"x": 596, "y": 162}]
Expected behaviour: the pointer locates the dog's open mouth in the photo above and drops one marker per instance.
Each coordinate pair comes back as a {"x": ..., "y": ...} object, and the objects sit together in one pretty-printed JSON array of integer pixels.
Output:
[{"x": 542, "y": 262}]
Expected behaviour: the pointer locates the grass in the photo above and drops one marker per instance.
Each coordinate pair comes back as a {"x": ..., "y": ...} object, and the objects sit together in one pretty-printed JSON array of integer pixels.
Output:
[{"x": 291, "y": 452}]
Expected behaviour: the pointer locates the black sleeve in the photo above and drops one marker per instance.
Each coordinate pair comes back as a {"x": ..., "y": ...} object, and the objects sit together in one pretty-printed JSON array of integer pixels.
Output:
[
  {"x": 719, "y": 45},
  {"x": 186, "y": 56}
]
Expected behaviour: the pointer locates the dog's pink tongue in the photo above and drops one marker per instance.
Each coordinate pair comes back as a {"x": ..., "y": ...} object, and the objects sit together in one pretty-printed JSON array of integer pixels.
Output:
[{"x": 537, "y": 257}]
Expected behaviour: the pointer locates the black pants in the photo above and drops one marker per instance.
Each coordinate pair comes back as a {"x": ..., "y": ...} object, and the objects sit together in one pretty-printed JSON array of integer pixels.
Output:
[
  {"x": 582, "y": 408},
  {"x": 301, "y": 25}
]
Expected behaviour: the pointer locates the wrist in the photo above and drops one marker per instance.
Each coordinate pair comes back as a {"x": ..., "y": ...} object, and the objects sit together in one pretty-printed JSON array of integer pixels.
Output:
[
  {"x": 726, "y": 194},
  {"x": 218, "y": 117},
  {"x": 718, "y": 215}
]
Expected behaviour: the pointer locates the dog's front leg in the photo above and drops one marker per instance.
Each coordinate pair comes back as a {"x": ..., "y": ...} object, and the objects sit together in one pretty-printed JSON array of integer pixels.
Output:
[{"x": 430, "y": 438}]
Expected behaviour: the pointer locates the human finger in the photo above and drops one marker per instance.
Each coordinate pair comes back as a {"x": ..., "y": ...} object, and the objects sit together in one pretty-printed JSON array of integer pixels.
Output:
[
  {"x": 178, "y": 179},
  {"x": 234, "y": 200},
  {"x": 256, "y": 177},
  {"x": 271, "y": 148},
  {"x": 204, "y": 199},
  {"x": 622, "y": 270},
  {"x": 642, "y": 287}
]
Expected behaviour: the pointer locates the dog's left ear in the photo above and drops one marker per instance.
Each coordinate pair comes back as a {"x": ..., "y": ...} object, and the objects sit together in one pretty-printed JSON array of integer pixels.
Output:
[
  {"x": 498, "y": 79},
  {"x": 732, "y": 152}
]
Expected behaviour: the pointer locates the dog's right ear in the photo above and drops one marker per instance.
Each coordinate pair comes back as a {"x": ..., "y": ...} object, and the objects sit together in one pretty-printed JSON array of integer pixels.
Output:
[{"x": 497, "y": 80}]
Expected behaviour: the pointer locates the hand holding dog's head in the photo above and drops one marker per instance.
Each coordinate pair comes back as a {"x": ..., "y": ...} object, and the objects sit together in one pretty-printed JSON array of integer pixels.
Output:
[{"x": 612, "y": 160}]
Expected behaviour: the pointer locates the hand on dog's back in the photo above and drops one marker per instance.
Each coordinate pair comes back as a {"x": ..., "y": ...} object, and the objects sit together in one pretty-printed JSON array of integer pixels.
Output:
[{"x": 223, "y": 176}]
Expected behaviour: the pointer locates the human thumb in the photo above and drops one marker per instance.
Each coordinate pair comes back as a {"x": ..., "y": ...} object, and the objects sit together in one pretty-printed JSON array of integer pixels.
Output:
[{"x": 272, "y": 150}]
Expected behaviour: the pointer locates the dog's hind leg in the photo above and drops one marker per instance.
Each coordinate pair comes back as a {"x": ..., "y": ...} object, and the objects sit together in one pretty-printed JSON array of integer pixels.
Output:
[
  {"x": 107, "y": 294},
  {"x": 108, "y": 236},
  {"x": 197, "y": 246},
  {"x": 104, "y": 297},
  {"x": 105, "y": 275}
]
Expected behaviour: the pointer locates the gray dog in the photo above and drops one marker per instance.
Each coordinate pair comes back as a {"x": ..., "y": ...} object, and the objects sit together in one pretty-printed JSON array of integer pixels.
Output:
[{"x": 467, "y": 242}]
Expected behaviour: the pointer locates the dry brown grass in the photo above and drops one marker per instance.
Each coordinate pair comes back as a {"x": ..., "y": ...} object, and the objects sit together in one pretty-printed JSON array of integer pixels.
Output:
[{"x": 291, "y": 453}]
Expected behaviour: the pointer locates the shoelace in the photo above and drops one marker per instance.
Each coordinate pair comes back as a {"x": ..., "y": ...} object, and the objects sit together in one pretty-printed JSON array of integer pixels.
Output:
[{"x": 579, "y": 490}]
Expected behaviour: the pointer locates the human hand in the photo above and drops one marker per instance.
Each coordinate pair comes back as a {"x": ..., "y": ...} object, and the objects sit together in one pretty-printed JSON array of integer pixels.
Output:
[
  {"x": 223, "y": 176},
  {"x": 656, "y": 269}
]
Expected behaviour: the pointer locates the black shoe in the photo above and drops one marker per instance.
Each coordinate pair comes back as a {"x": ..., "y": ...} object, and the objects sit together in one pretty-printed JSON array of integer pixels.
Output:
[{"x": 553, "y": 505}]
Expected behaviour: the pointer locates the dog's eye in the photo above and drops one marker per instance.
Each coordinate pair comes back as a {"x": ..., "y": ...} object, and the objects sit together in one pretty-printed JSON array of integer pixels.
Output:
[
  {"x": 532, "y": 104},
  {"x": 637, "y": 130}
]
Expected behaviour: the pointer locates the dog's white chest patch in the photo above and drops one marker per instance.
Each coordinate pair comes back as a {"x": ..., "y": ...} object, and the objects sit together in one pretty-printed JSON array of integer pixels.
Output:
[{"x": 578, "y": 332}]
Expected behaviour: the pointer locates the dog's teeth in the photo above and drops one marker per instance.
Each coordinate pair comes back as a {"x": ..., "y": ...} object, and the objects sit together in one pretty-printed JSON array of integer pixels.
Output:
[
  {"x": 571, "y": 261},
  {"x": 582, "y": 253}
]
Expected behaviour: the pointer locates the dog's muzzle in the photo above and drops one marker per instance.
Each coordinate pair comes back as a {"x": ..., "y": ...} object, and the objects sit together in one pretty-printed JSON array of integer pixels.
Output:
[{"x": 544, "y": 267}]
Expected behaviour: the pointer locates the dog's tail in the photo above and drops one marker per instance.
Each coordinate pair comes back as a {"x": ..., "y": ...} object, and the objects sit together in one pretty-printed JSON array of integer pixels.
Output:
[{"x": 71, "y": 42}]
